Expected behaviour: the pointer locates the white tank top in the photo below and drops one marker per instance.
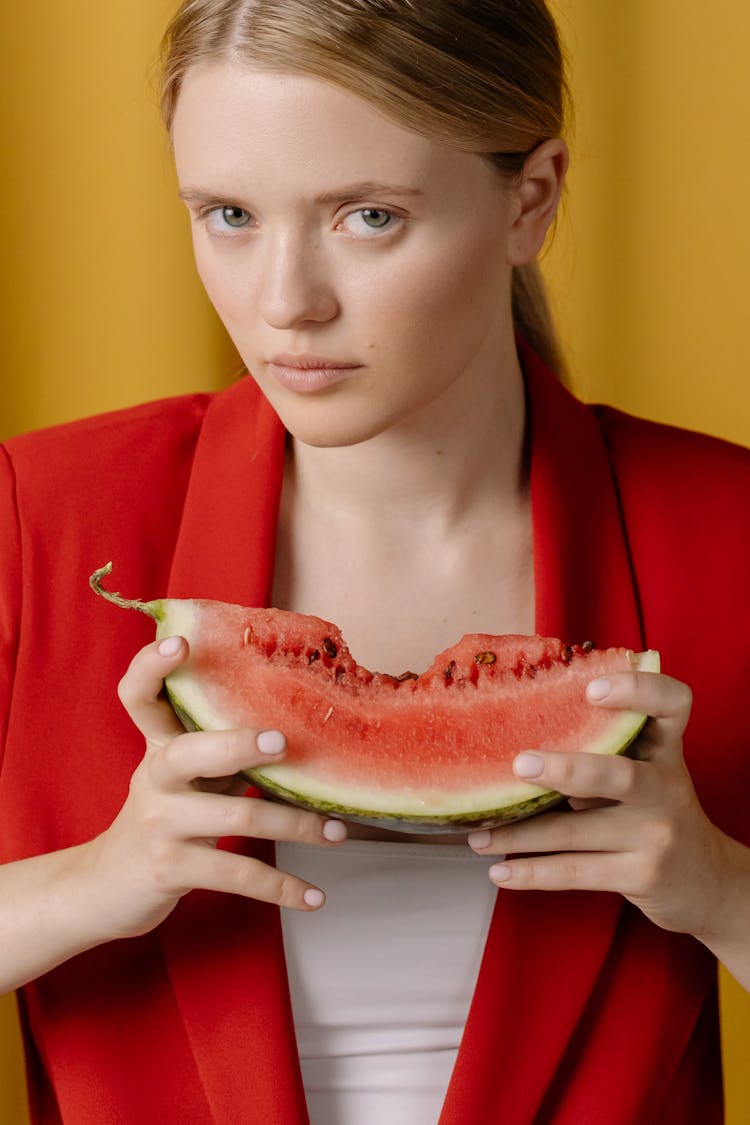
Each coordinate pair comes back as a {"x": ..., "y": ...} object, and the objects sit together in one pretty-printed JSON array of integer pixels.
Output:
[{"x": 382, "y": 977}]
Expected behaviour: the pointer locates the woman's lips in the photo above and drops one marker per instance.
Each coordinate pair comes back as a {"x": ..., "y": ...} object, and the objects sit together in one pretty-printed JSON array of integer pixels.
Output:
[{"x": 308, "y": 373}]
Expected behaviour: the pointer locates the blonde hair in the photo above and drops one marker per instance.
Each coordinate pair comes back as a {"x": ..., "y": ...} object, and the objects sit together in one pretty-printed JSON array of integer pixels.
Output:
[{"x": 485, "y": 76}]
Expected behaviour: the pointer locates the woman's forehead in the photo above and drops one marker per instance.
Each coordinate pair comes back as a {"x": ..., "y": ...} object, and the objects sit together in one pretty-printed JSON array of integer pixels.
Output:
[{"x": 230, "y": 119}]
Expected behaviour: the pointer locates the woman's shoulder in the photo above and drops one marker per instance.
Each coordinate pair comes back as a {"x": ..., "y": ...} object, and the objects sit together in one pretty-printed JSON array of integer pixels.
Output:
[
  {"x": 109, "y": 435},
  {"x": 668, "y": 452},
  {"x": 77, "y": 491},
  {"x": 679, "y": 488},
  {"x": 683, "y": 498}
]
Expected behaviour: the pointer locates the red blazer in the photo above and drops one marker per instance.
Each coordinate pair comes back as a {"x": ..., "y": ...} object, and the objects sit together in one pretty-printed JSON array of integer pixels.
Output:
[{"x": 584, "y": 1012}]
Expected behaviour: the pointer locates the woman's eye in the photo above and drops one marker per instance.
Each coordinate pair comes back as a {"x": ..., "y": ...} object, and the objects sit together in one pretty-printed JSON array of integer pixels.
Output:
[
  {"x": 376, "y": 218},
  {"x": 370, "y": 220},
  {"x": 235, "y": 216},
  {"x": 232, "y": 218}
]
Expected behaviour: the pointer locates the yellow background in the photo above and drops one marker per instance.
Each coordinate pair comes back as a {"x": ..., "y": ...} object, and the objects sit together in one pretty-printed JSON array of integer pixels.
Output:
[{"x": 650, "y": 269}]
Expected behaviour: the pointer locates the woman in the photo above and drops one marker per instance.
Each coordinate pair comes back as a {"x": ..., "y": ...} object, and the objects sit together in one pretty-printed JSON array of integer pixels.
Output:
[{"x": 369, "y": 184}]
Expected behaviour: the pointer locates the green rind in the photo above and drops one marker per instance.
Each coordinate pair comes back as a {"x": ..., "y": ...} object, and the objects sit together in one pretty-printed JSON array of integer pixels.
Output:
[
  {"x": 184, "y": 716},
  {"x": 402, "y": 822},
  {"x": 488, "y": 818}
]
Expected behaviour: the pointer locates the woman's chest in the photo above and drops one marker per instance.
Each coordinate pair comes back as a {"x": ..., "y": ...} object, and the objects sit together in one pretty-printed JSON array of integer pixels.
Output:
[{"x": 399, "y": 608}]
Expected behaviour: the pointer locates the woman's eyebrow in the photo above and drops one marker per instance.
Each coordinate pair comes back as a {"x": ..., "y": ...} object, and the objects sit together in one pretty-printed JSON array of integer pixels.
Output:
[
  {"x": 366, "y": 188},
  {"x": 200, "y": 195},
  {"x": 336, "y": 195}
]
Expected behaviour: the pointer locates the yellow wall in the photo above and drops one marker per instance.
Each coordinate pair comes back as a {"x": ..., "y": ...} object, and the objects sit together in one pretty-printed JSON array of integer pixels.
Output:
[
  {"x": 100, "y": 305},
  {"x": 651, "y": 266}
]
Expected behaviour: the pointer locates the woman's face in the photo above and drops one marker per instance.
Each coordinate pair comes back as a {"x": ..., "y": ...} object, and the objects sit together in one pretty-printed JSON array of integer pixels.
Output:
[{"x": 361, "y": 269}]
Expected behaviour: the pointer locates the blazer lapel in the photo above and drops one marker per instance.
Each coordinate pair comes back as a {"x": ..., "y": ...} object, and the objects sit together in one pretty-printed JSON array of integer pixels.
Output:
[
  {"x": 227, "y": 538},
  {"x": 511, "y": 1054},
  {"x": 225, "y": 953}
]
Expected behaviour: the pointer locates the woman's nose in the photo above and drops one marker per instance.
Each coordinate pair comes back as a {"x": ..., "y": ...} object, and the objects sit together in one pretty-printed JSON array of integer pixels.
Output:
[{"x": 295, "y": 285}]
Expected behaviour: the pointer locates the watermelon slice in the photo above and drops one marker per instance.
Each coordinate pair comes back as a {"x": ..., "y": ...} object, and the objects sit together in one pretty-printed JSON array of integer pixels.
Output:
[{"x": 416, "y": 753}]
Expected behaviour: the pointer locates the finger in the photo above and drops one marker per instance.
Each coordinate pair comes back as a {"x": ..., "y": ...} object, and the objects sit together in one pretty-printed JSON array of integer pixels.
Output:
[
  {"x": 569, "y": 872},
  {"x": 666, "y": 700},
  {"x": 140, "y": 689},
  {"x": 230, "y": 873},
  {"x": 186, "y": 758},
  {"x": 604, "y": 777},
  {"x": 596, "y": 831},
  {"x": 211, "y": 816}
]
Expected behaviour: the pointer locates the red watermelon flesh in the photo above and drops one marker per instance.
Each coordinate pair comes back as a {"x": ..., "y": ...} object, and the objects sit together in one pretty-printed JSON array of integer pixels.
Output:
[{"x": 417, "y": 753}]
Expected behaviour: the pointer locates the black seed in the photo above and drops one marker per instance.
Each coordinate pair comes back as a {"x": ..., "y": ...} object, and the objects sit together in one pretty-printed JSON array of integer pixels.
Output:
[
  {"x": 485, "y": 658},
  {"x": 567, "y": 654},
  {"x": 450, "y": 669},
  {"x": 329, "y": 648},
  {"x": 588, "y": 646},
  {"x": 315, "y": 655},
  {"x": 406, "y": 676}
]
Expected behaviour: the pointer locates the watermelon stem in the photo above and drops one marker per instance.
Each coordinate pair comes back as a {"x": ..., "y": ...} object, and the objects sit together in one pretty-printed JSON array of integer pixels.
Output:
[{"x": 95, "y": 581}]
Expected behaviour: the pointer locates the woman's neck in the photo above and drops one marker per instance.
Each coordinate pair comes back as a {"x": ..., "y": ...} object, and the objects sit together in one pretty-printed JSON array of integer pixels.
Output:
[
  {"x": 463, "y": 453},
  {"x": 408, "y": 541}
]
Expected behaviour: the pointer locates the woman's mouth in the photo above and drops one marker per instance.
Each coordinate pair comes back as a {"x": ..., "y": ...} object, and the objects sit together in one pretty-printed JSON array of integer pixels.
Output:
[{"x": 308, "y": 373}]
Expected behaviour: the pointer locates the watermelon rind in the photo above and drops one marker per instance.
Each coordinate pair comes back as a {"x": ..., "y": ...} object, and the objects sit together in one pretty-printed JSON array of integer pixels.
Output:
[
  {"x": 415, "y": 809},
  {"x": 513, "y": 808},
  {"x": 400, "y": 812},
  {"x": 427, "y": 812}
]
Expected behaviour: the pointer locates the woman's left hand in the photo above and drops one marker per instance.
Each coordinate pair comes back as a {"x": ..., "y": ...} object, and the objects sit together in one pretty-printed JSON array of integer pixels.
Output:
[{"x": 636, "y": 826}]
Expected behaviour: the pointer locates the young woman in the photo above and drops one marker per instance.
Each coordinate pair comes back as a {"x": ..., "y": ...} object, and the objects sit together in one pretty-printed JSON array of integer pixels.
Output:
[{"x": 369, "y": 183}]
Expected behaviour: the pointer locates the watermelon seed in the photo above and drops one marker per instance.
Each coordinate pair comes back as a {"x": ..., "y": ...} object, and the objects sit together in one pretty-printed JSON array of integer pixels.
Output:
[
  {"x": 587, "y": 646},
  {"x": 485, "y": 658},
  {"x": 567, "y": 654},
  {"x": 247, "y": 636},
  {"x": 450, "y": 669},
  {"x": 329, "y": 648},
  {"x": 329, "y": 712},
  {"x": 406, "y": 676},
  {"x": 314, "y": 655}
]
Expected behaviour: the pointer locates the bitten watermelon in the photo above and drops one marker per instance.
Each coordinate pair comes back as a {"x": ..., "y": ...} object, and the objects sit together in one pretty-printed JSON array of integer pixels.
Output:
[{"x": 417, "y": 753}]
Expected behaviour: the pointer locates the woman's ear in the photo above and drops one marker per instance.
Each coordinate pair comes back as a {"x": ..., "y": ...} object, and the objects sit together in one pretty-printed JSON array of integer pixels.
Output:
[{"x": 536, "y": 195}]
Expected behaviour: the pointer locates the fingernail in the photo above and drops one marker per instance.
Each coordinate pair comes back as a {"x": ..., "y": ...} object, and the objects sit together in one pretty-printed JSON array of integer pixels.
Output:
[
  {"x": 500, "y": 872},
  {"x": 335, "y": 831},
  {"x": 479, "y": 840},
  {"x": 170, "y": 646},
  {"x": 529, "y": 764},
  {"x": 314, "y": 897},
  {"x": 270, "y": 742},
  {"x": 599, "y": 689}
]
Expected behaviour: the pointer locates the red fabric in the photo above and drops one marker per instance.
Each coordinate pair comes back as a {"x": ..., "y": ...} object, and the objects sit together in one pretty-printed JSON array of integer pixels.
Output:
[{"x": 583, "y": 1011}]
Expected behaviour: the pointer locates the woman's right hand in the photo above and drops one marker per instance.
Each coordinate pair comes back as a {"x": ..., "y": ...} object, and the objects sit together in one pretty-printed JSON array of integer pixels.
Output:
[{"x": 184, "y": 796}]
